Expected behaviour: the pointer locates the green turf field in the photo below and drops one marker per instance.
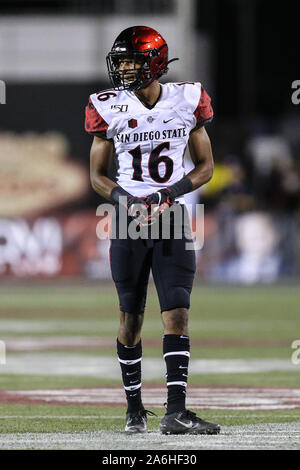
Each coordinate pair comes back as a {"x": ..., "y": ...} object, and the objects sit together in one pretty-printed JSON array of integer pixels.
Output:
[{"x": 226, "y": 323}]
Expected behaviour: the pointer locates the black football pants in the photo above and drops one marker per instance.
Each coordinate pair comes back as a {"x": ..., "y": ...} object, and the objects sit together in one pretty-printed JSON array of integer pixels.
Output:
[{"x": 173, "y": 269}]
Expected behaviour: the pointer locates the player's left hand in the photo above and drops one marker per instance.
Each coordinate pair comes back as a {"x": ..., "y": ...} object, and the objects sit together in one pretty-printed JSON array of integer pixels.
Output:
[
  {"x": 162, "y": 198},
  {"x": 140, "y": 211}
]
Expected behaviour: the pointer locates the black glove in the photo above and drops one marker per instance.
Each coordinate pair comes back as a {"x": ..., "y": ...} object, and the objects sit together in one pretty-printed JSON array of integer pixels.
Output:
[
  {"x": 163, "y": 198},
  {"x": 136, "y": 206}
]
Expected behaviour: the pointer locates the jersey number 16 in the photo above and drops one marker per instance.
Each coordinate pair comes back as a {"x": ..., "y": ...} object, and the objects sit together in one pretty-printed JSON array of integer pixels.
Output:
[{"x": 154, "y": 160}]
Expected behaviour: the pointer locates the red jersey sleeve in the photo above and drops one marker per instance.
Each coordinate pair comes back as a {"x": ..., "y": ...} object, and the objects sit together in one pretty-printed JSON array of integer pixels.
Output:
[
  {"x": 204, "y": 112},
  {"x": 94, "y": 122}
]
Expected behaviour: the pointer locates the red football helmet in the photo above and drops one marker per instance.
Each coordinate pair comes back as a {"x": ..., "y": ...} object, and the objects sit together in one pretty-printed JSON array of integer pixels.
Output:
[{"x": 143, "y": 46}]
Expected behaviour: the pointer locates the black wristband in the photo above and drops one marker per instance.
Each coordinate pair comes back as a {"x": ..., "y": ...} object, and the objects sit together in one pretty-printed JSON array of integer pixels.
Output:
[
  {"x": 182, "y": 186},
  {"x": 117, "y": 192}
]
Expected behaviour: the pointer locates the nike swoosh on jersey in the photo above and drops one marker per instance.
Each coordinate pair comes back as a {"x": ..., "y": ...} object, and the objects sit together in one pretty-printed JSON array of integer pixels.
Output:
[
  {"x": 165, "y": 122},
  {"x": 186, "y": 425}
]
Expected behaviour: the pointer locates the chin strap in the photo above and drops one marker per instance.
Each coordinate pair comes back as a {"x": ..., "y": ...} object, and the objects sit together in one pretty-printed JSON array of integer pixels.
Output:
[{"x": 172, "y": 60}]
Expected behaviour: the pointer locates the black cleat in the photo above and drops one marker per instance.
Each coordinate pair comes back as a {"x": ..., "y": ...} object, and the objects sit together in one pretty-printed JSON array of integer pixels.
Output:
[
  {"x": 136, "y": 421},
  {"x": 186, "y": 422}
]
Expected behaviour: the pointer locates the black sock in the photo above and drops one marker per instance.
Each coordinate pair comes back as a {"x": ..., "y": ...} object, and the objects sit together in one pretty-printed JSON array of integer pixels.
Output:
[
  {"x": 130, "y": 361},
  {"x": 176, "y": 349}
]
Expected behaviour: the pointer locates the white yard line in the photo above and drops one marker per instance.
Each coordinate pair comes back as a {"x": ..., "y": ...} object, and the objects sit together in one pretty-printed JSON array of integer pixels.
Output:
[
  {"x": 259, "y": 436},
  {"x": 52, "y": 363},
  {"x": 64, "y": 417},
  {"x": 261, "y": 415},
  {"x": 42, "y": 343}
]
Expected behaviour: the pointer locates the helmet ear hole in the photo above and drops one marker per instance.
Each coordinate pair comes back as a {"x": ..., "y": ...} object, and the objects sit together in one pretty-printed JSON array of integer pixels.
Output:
[
  {"x": 158, "y": 67},
  {"x": 155, "y": 64}
]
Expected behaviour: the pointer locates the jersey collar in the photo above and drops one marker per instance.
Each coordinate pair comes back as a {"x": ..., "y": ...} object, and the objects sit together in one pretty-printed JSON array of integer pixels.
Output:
[{"x": 145, "y": 106}]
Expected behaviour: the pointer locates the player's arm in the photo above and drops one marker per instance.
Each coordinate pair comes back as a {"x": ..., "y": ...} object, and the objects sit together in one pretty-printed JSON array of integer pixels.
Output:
[
  {"x": 202, "y": 157},
  {"x": 201, "y": 154},
  {"x": 100, "y": 159}
]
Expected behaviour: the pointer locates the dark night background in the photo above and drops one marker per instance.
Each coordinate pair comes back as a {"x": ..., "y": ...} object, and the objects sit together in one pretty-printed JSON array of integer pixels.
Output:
[
  {"x": 255, "y": 61},
  {"x": 256, "y": 81}
]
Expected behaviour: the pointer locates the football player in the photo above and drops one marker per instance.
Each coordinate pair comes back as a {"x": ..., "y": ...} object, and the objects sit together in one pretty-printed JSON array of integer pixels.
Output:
[{"x": 147, "y": 125}]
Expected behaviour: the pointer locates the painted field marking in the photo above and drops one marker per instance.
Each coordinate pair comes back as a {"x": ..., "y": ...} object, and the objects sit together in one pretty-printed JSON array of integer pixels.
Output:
[
  {"x": 259, "y": 436},
  {"x": 225, "y": 398},
  {"x": 54, "y": 343},
  {"x": 261, "y": 415},
  {"x": 86, "y": 365},
  {"x": 64, "y": 417},
  {"x": 80, "y": 326}
]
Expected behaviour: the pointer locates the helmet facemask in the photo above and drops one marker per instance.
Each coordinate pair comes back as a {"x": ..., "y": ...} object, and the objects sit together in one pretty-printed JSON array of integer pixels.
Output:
[
  {"x": 128, "y": 78},
  {"x": 142, "y": 72}
]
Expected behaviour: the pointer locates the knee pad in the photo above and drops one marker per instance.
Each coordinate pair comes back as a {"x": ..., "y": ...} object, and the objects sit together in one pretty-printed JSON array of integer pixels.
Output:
[
  {"x": 130, "y": 302},
  {"x": 178, "y": 297}
]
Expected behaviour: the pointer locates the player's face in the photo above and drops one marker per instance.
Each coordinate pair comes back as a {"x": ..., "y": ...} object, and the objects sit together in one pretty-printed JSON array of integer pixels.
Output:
[{"x": 129, "y": 69}]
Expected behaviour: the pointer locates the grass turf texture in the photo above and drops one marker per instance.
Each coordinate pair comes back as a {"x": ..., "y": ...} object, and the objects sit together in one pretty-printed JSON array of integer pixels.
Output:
[
  {"x": 233, "y": 322},
  {"x": 53, "y": 418},
  {"x": 268, "y": 314},
  {"x": 266, "y": 379},
  {"x": 216, "y": 312}
]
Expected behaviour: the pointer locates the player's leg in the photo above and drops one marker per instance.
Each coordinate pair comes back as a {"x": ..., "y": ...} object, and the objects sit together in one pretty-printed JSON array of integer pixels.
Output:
[
  {"x": 173, "y": 269},
  {"x": 175, "y": 321},
  {"x": 130, "y": 265},
  {"x": 173, "y": 273},
  {"x": 129, "y": 349},
  {"x": 130, "y": 328},
  {"x": 176, "y": 347}
]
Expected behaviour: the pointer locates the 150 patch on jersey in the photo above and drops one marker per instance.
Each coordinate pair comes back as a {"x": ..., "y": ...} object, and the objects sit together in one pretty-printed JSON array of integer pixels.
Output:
[{"x": 119, "y": 108}]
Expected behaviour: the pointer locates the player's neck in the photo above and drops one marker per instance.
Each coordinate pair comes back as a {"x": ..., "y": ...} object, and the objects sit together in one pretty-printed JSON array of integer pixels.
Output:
[{"x": 150, "y": 94}]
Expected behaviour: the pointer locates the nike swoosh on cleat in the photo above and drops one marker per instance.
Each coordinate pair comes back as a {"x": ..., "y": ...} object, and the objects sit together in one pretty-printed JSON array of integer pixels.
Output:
[
  {"x": 182, "y": 367},
  {"x": 186, "y": 425},
  {"x": 165, "y": 122},
  {"x": 131, "y": 373}
]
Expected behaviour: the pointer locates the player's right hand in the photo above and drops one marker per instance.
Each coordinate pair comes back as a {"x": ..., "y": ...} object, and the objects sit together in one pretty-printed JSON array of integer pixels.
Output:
[
  {"x": 136, "y": 207},
  {"x": 163, "y": 199},
  {"x": 143, "y": 213}
]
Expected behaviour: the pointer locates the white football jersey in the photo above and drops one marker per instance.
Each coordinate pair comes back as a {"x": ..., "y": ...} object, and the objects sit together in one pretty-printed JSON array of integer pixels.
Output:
[{"x": 149, "y": 142}]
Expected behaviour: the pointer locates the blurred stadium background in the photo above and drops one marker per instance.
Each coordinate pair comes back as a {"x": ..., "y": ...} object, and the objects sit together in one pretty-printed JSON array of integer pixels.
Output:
[
  {"x": 57, "y": 301},
  {"x": 52, "y": 56}
]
